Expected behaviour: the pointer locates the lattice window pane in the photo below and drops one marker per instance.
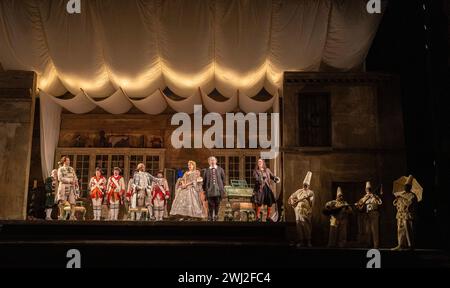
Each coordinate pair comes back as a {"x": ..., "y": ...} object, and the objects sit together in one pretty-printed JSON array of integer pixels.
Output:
[
  {"x": 82, "y": 171},
  {"x": 101, "y": 161},
  {"x": 250, "y": 164},
  {"x": 233, "y": 168},
  {"x": 117, "y": 161},
  {"x": 152, "y": 164},
  {"x": 221, "y": 161}
]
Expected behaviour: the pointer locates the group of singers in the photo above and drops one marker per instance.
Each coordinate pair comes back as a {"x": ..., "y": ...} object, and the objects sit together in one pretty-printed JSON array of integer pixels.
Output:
[
  {"x": 198, "y": 196},
  {"x": 338, "y": 210},
  {"x": 198, "y": 193}
]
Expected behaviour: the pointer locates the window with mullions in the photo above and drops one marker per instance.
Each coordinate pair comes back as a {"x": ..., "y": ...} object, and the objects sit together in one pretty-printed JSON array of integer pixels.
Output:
[
  {"x": 314, "y": 119},
  {"x": 117, "y": 161},
  {"x": 101, "y": 161},
  {"x": 152, "y": 164},
  {"x": 134, "y": 161},
  {"x": 82, "y": 171},
  {"x": 250, "y": 164},
  {"x": 221, "y": 161},
  {"x": 233, "y": 168}
]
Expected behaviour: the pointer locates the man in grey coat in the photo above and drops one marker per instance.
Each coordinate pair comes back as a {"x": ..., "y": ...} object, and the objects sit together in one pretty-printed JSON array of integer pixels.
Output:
[{"x": 213, "y": 179}]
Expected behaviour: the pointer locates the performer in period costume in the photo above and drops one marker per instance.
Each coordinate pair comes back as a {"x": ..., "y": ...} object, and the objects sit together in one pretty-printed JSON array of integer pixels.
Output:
[
  {"x": 369, "y": 205},
  {"x": 97, "y": 186},
  {"x": 406, "y": 204},
  {"x": 142, "y": 181},
  {"x": 51, "y": 184},
  {"x": 213, "y": 179},
  {"x": 302, "y": 201},
  {"x": 116, "y": 190},
  {"x": 262, "y": 192},
  {"x": 338, "y": 210},
  {"x": 187, "y": 201},
  {"x": 68, "y": 188},
  {"x": 159, "y": 195}
]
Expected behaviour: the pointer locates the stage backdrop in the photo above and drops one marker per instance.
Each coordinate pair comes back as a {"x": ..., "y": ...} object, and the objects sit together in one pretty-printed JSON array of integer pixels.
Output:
[
  {"x": 141, "y": 46},
  {"x": 120, "y": 54}
]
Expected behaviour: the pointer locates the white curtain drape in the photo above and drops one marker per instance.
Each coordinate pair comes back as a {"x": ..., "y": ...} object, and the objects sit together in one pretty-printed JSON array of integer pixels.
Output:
[
  {"x": 185, "y": 105},
  {"x": 78, "y": 104},
  {"x": 185, "y": 36},
  {"x": 144, "y": 45},
  {"x": 125, "y": 53},
  {"x": 350, "y": 33},
  {"x": 248, "y": 104},
  {"x": 153, "y": 104},
  {"x": 220, "y": 107},
  {"x": 117, "y": 103},
  {"x": 50, "y": 121}
]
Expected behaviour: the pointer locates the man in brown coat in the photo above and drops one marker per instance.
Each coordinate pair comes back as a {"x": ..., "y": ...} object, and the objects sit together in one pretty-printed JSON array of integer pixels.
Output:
[{"x": 213, "y": 185}]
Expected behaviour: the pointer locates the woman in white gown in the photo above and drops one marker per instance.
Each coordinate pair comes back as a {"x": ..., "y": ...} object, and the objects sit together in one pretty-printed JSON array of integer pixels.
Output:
[{"x": 187, "y": 201}]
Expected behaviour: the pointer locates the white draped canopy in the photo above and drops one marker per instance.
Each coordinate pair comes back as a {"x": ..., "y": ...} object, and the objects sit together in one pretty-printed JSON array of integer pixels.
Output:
[
  {"x": 127, "y": 52},
  {"x": 119, "y": 54}
]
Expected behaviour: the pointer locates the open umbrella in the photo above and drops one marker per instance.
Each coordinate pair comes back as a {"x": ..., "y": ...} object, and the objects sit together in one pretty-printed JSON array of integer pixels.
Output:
[{"x": 399, "y": 185}]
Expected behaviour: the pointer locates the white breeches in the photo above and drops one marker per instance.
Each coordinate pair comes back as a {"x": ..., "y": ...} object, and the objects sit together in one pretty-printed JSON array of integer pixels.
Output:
[
  {"x": 114, "y": 210},
  {"x": 158, "y": 209},
  {"x": 97, "y": 208},
  {"x": 48, "y": 214}
]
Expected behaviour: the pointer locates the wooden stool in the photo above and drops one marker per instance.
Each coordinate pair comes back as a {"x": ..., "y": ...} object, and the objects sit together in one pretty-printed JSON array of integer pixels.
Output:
[
  {"x": 136, "y": 210},
  {"x": 80, "y": 208},
  {"x": 66, "y": 210}
]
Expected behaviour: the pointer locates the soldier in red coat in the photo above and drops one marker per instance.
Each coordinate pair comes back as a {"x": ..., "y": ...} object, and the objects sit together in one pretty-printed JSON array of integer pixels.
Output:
[
  {"x": 159, "y": 195},
  {"x": 97, "y": 186},
  {"x": 116, "y": 190}
]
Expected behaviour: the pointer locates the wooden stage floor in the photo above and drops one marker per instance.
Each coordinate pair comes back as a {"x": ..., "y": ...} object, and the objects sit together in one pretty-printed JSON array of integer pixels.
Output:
[{"x": 183, "y": 244}]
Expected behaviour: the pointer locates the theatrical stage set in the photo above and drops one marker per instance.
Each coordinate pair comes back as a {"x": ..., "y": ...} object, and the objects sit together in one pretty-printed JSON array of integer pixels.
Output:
[{"x": 88, "y": 102}]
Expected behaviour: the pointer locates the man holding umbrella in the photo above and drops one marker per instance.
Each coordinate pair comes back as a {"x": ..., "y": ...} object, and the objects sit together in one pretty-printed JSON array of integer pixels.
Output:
[{"x": 406, "y": 204}]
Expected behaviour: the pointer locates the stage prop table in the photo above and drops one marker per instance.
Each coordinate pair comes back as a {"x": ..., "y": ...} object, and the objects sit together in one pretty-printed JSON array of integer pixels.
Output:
[{"x": 239, "y": 206}]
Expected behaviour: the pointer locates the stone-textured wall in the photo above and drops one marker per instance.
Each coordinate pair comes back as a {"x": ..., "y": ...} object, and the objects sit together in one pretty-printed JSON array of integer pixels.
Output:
[
  {"x": 367, "y": 142},
  {"x": 16, "y": 126}
]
